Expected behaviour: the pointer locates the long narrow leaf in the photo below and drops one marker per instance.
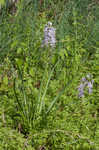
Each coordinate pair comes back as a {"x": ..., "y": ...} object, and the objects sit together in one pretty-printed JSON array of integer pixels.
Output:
[
  {"x": 14, "y": 88},
  {"x": 42, "y": 100}
]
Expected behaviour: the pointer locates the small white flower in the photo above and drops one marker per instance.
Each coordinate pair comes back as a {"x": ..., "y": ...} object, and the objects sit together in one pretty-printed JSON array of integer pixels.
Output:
[
  {"x": 49, "y": 23},
  {"x": 89, "y": 76}
]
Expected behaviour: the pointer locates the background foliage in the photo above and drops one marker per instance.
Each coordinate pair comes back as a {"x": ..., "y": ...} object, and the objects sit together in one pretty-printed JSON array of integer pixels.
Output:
[{"x": 39, "y": 103}]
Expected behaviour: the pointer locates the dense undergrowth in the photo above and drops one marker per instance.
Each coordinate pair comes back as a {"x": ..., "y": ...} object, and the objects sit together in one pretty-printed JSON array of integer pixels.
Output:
[{"x": 39, "y": 104}]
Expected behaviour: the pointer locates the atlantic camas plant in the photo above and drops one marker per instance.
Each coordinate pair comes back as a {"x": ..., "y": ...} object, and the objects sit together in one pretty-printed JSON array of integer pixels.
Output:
[
  {"x": 86, "y": 82},
  {"x": 49, "y": 35}
]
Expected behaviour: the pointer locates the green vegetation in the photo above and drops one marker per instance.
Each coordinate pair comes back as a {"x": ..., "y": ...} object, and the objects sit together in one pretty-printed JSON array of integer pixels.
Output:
[{"x": 40, "y": 106}]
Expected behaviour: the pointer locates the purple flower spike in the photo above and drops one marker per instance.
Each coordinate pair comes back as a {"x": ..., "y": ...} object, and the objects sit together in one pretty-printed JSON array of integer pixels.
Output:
[
  {"x": 81, "y": 90},
  {"x": 81, "y": 94},
  {"x": 86, "y": 82},
  {"x": 49, "y": 35}
]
